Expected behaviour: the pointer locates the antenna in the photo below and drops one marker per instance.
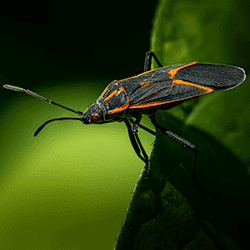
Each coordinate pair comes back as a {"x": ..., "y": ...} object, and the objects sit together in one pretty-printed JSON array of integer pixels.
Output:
[
  {"x": 55, "y": 119},
  {"x": 29, "y": 92}
]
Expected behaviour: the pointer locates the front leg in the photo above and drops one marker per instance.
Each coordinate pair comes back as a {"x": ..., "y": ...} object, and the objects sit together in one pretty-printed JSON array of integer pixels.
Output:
[
  {"x": 135, "y": 125},
  {"x": 136, "y": 143}
]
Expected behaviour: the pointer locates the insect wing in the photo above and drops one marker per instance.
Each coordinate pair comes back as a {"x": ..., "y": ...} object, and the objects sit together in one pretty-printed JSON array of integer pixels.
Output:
[
  {"x": 215, "y": 76},
  {"x": 180, "y": 82}
]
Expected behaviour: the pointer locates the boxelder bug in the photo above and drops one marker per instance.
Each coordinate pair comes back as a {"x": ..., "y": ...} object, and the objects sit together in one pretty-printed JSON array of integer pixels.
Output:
[{"x": 162, "y": 88}]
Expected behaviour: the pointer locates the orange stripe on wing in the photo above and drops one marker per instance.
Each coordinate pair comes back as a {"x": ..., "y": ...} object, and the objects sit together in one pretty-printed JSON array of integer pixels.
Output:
[
  {"x": 143, "y": 84},
  {"x": 146, "y": 105},
  {"x": 117, "y": 110},
  {"x": 173, "y": 72},
  {"x": 144, "y": 73},
  {"x": 206, "y": 89},
  {"x": 175, "y": 81}
]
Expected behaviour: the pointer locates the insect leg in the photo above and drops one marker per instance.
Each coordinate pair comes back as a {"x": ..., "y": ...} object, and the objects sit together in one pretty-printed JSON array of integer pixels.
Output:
[
  {"x": 134, "y": 138},
  {"x": 147, "y": 129},
  {"x": 133, "y": 141},
  {"x": 134, "y": 128},
  {"x": 185, "y": 144},
  {"x": 148, "y": 60}
]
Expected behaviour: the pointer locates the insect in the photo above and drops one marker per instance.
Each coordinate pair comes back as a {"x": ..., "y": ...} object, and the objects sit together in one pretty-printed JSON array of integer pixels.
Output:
[{"x": 162, "y": 88}]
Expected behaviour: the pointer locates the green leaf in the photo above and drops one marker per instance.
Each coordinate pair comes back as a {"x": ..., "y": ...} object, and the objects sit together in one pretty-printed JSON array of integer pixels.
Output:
[{"x": 167, "y": 210}]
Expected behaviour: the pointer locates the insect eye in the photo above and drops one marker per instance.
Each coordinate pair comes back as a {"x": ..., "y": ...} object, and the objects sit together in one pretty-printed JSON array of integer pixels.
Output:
[{"x": 95, "y": 116}]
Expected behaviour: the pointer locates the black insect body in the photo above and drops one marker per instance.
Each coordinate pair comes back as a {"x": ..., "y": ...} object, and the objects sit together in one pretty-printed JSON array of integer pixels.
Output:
[{"x": 162, "y": 88}]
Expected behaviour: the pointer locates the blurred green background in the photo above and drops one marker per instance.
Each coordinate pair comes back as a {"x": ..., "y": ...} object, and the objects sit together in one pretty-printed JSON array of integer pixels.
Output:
[{"x": 69, "y": 188}]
